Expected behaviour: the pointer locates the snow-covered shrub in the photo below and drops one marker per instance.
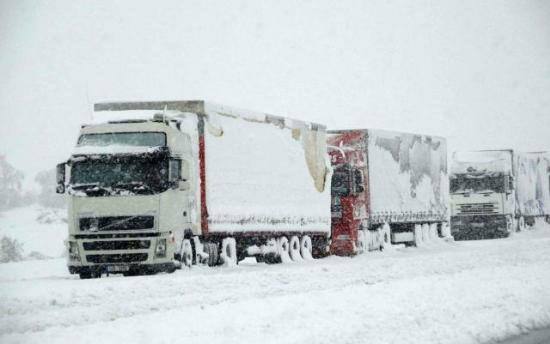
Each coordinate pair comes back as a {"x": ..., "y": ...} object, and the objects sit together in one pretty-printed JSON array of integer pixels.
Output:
[
  {"x": 35, "y": 255},
  {"x": 11, "y": 250},
  {"x": 11, "y": 179}
]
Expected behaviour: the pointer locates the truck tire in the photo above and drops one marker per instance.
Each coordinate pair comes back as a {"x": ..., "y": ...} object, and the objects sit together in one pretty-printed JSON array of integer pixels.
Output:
[
  {"x": 284, "y": 248},
  {"x": 211, "y": 249},
  {"x": 417, "y": 235},
  {"x": 229, "y": 252},
  {"x": 295, "y": 249},
  {"x": 85, "y": 275},
  {"x": 433, "y": 231},
  {"x": 425, "y": 232},
  {"x": 306, "y": 248},
  {"x": 361, "y": 242},
  {"x": 521, "y": 224},
  {"x": 385, "y": 236},
  {"x": 368, "y": 240}
]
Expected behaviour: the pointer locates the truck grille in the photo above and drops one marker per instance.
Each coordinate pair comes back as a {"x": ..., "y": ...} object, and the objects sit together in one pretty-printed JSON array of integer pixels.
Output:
[
  {"x": 477, "y": 208},
  {"x": 116, "y": 223},
  {"x": 116, "y": 245},
  {"x": 117, "y": 258}
]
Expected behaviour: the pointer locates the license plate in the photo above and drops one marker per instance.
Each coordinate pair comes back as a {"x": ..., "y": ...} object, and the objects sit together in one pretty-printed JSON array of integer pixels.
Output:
[{"x": 118, "y": 268}]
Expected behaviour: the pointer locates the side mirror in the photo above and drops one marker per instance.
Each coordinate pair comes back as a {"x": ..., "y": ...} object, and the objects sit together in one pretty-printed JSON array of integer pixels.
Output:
[{"x": 60, "y": 178}]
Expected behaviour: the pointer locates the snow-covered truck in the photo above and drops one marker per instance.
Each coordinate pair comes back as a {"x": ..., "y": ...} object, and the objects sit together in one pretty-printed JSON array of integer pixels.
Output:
[
  {"x": 387, "y": 187},
  {"x": 169, "y": 182},
  {"x": 495, "y": 192}
]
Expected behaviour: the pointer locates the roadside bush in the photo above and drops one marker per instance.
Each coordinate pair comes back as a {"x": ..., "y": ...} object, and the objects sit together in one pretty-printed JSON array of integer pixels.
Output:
[{"x": 11, "y": 250}]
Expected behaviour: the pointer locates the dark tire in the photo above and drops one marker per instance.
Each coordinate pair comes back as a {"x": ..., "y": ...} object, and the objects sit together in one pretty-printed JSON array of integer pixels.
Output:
[
  {"x": 272, "y": 258},
  {"x": 85, "y": 275},
  {"x": 211, "y": 249}
]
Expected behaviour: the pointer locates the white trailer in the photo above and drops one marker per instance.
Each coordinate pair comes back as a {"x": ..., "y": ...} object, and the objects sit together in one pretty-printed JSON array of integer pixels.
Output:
[{"x": 195, "y": 182}]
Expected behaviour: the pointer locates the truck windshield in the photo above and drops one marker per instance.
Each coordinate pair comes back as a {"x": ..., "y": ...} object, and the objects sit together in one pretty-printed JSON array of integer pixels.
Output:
[
  {"x": 341, "y": 181},
  {"x": 464, "y": 183},
  {"x": 146, "y": 139},
  {"x": 120, "y": 175}
]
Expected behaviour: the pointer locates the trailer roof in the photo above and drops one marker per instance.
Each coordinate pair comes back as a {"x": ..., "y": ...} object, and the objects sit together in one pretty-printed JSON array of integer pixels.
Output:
[
  {"x": 204, "y": 108},
  {"x": 374, "y": 130}
]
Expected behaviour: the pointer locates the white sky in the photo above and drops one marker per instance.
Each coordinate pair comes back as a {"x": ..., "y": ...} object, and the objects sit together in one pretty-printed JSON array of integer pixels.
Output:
[{"x": 477, "y": 72}]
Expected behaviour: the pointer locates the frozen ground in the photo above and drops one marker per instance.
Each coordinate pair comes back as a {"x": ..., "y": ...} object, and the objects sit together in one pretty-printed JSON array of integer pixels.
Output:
[{"x": 463, "y": 292}]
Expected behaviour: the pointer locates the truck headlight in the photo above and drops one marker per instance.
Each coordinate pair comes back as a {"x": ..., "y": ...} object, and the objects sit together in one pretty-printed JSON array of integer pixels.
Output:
[
  {"x": 73, "y": 251},
  {"x": 160, "y": 250}
]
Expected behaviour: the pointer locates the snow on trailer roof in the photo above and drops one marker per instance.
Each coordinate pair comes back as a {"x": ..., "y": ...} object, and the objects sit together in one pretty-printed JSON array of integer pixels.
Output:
[
  {"x": 388, "y": 131},
  {"x": 485, "y": 161},
  {"x": 146, "y": 109}
]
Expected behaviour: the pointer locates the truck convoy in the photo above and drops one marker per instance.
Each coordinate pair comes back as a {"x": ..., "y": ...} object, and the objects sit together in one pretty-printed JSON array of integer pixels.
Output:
[
  {"x": 194, "y": 182},
  {"x": 496, "y": 192},
  {"x": 156, "y": 185},
  {"x": 387, "y": 188}
]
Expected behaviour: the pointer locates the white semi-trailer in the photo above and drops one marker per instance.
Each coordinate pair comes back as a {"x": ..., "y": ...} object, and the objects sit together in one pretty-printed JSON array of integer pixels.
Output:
[
  {"x": 496, "y": 192},
  {"x": 387, "y": 186},
  {"x": 189, "y": 181}
]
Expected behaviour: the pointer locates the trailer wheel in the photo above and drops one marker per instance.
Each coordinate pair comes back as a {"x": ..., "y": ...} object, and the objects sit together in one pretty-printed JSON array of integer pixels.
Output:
[
  {"x": 211, "y": 249},
  {"x": 186, "y": 253},
  {"x": 306, "y": 248},
  {"x": 386, "y": 236},
  {"x": 417, "y": 235},
  {"x": 361, "y": 242},
  {"x": 283, "y": 248},
  {"x": 229, "y": 252},
  {"x": 425, "y": 232},
  {"x": 521, "y": 224},
  {"x": 295, "y": 249},
  {"x": 368, "y": 240},
  {"x": 271, "y": 252},
  {"x": 85, "y": 275},
  {"x": 433, "y": 231}
]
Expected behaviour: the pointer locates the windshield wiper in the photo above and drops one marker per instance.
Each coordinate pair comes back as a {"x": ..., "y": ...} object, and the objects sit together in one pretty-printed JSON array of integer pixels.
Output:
[
  {"x": 90, "y": 187},
  {"x": 133, "y": 186}
]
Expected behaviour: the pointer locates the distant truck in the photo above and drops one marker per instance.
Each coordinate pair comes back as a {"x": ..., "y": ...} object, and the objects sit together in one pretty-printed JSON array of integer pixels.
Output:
[
  {"x": 496, "y": 192},
  {"x": 387, "y": 187},
  {"x": 167, "y": 183}
]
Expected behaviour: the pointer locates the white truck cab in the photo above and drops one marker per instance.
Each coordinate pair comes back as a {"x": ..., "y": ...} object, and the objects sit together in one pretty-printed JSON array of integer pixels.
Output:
[{"x": 130, "y": 196}]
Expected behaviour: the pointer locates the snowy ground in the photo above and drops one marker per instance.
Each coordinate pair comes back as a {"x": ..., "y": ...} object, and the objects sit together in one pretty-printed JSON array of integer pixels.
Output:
[{"x": 463, "y": 292}]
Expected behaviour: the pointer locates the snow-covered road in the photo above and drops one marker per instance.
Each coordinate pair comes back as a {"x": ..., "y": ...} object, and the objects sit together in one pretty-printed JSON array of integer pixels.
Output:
[{"x": 462, "y": 292}]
